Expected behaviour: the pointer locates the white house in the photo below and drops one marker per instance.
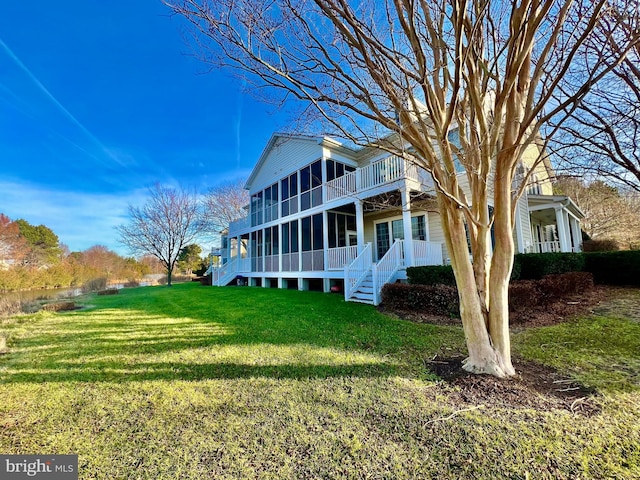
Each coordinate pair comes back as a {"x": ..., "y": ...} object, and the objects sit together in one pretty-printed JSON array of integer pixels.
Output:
[{"x": 323, "y": 216}]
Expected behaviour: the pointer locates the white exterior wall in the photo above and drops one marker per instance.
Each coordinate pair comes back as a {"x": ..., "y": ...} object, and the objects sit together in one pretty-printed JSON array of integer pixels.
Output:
[{"x": 286, "y": 156}]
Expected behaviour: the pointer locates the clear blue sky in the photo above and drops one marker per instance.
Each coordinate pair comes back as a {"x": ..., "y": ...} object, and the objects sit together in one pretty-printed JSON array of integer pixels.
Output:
[{"x": 101, "y": 99}]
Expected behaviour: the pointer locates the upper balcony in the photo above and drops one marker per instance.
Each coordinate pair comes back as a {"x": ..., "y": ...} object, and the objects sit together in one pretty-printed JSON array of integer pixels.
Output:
[
  {"x": 361, "y": 183},
  {"x": 377, "y": 174}
]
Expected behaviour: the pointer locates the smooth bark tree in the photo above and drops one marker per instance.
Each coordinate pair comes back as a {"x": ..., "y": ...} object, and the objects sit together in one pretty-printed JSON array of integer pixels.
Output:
[
  {"x": 170, "y": 220},
  {"x": 407, "y": 76}
]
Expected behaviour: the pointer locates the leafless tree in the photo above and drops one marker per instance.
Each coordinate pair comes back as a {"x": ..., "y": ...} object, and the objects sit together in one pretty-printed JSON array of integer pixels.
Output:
[
  {"x": 224, "y": 204},
  {"x": 401, "y": 76},
  {"x": 609, "y": 214},
  {"x": 602, "y": 137},
  {"x": 170, "y": 220}
]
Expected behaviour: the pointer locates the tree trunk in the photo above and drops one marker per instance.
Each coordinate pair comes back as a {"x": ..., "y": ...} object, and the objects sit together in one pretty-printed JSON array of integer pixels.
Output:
[
  {"x": 483, "y": 357},
  {"x": 168, "y": 277}
]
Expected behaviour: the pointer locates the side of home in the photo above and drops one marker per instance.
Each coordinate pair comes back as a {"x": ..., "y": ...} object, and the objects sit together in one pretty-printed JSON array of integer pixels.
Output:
[{"x": 325, "y": 216}]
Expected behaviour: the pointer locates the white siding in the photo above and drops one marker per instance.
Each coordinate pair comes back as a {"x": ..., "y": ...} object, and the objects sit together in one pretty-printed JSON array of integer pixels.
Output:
[
  {"x": 286, "y": 156},
  {"x": 436, "y": 234}
]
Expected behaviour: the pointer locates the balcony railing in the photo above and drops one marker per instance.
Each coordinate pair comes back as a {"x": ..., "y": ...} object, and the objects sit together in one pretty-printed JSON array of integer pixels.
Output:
[
  {"x": 545, "y": 247},
  {"x": 239, "y": 224},
  {"x": 373, "y": 175}
]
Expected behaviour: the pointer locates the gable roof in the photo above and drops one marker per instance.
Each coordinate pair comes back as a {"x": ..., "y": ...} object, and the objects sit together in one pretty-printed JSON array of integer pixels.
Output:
[{"x": 279, "y": 137}]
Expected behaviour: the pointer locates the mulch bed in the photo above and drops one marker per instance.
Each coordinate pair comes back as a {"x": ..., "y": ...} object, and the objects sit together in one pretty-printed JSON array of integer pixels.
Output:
[{"x": 535, "y": 386}]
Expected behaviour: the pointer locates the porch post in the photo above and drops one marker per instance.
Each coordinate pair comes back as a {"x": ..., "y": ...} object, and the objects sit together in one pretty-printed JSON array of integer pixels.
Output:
[
  {"x": 576, "y": 234},
  {"x": 406, "y": 224},
  {"x": 561, "y": 227},
  {"x": 518, "y": 222},
  {"x": 325, "y": 240},
  {"x": 359, "y": 225}
]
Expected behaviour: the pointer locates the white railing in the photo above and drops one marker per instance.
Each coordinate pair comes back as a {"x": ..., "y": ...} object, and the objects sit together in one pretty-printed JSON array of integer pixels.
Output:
[
  {"x": 341, "y": 187},
  {"x": 225, "y": 273},
  {"x": 378, "y": 173},
  {"x": 338, "y": 258},
  {"x": 426, "y": 253},
  {"x": 545, "y": 247},
  {"x": 386, "y": 170},
  {"x": 357, "y": 271},
  {"x": 383, "y": 271},
  {"x": 239, "y": 224}
]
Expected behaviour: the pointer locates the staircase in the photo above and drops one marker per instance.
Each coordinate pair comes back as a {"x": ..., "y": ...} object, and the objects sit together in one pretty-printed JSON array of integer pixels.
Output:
[{"x": 364, "y": 292}]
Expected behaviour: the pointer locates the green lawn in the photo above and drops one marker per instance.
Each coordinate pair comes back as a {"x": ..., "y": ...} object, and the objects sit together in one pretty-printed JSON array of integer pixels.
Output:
[{"x": 195, "y": 382}]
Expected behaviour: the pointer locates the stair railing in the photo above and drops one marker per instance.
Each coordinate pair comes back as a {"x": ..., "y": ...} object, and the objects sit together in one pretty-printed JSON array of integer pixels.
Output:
[
  {"x": 383, "y": 271},
  {"x": 356, "y": 271}
]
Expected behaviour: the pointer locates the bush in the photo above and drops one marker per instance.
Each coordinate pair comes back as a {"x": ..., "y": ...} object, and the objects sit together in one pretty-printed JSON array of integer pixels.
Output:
[
  {"x": 534, "y": 266},
  {"x": 59, "y": 306},
  {"x": 108, "y": 291},
  {"x": 432, "y": 299},
  {"x": 614, "y": 268},
  {"x": 431, "y": 275},
  {"x": 523, "y": 294},
  {"x": 555, "y": 287},
  {"x": 131, "y": 284},
  {"x": 95, "y": 285},
  {"x": 600, "y": 246}
]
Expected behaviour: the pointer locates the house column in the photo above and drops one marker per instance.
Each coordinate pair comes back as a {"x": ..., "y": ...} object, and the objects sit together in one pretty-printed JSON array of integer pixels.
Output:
[
  {"x": 576, "y": 234},
  {"x": 325, "y": 240},
  {"x": 406, "y": 224},
  {"x": 360, "y": 225},
  {"x": 561, "y": 227},
  {"x": 519, "y": 236}
]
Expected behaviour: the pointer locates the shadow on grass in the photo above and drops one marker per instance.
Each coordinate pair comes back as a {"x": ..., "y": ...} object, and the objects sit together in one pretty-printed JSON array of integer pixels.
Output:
[
  {"x": 118, "y": 373},
  {"x": 193, "y": 333}
]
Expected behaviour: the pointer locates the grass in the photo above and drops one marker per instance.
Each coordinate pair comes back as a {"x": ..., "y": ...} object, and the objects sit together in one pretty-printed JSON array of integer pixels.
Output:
[{"x": 195, "y": 382}]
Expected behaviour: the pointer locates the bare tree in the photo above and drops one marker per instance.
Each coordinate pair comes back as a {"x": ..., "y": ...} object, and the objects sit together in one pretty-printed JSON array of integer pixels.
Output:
[
  {"x": 169, "y": 221},
  {"x": 402, "y": 76},
  {"x": 224, "y": 204},
  {"x": 602, "y": 137},
  {"x": 608, "y": 214}
]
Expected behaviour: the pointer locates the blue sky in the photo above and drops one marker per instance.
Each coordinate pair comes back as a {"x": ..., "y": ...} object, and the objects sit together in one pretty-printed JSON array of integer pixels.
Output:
[{"x": 101, "y": 99}]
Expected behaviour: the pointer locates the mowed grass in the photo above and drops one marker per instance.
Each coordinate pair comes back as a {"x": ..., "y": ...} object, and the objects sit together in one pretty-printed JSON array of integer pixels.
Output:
[{"x": 195, "y": 382}]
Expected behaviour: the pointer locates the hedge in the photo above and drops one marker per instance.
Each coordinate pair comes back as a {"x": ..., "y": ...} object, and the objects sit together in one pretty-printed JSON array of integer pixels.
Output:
[
  {"x": 431, "y": 275},
  {"x": 609, "y": 268},
  {"x": 614, "y": 268},
  {"x": 523, "y": 294},
  {"x": 534, "y": 266}
]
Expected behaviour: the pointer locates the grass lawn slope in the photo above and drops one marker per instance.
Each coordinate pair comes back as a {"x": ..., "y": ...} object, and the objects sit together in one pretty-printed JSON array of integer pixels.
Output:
[{"x": 191, "y": 382}]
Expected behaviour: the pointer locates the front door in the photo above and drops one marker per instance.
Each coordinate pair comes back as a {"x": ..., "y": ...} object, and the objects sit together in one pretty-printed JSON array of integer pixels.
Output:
[{"x": 386, "y": 234}]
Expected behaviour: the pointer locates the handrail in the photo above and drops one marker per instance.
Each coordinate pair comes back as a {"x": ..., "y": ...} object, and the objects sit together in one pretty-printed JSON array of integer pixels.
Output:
[
  {"x": 357, "y": 271},
  {"x": 387, "y": 266},
  {"x": 338, "y": 257},
  {"x": 224, "y": 274}
]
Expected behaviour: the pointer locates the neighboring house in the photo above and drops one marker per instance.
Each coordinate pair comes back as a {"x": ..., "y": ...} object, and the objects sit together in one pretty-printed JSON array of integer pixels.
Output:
[{"x": 323, "y": 216}]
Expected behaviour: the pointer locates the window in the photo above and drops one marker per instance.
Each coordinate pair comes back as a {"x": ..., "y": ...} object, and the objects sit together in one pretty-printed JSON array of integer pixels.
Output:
[
  {"x": 418, "y": 228},
  {"x": 454, "y": 140},
  {"x": 312, "y": 243},
  {"x": 289, "y": 187},
  {"x": 311, "y": 185},
  {"x": 338, "y": 224},
  {"x": 337, "y": 170},
  {"x": 271, "y": 203},
  {"x": 290, "y": 259},
  {"x": 256, "y": 209}
]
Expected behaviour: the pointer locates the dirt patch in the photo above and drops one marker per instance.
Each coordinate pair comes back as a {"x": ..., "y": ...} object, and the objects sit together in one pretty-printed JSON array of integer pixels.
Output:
[{"x": 535, "y": 387}]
